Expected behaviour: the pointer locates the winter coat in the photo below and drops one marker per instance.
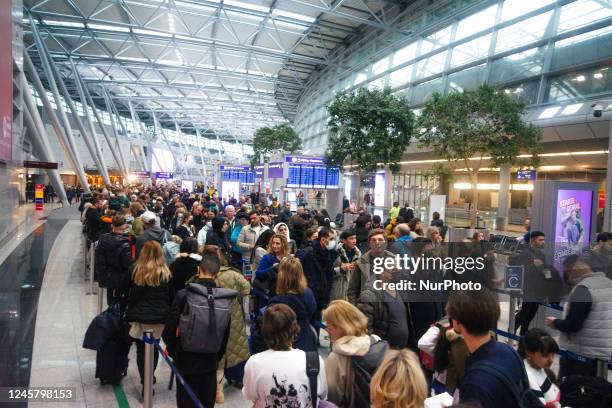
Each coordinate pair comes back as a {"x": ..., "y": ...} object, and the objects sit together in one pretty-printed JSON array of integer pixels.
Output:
[
  {"x": 189, "y": 363},
  {"x": 152, "y": 234},
  {"x": 184, "y": 268},
  {"x": 318, "y": 264},
  {"x": 342, "y": 278},
  {"x": 360, "y": 277},
  {"x": 338, "y": 368},
  {"x": 237, "y": 349},
  {"x": 234, "y": 238},
  {"x": 93, "y": 223},
  {"x": 216, "y": 236},
  {"x": 113, "y": 261},
  {"x": 149, "y": 304},
  {"x": 247, "y": 238},
  {"x": 304, "y": 308}
]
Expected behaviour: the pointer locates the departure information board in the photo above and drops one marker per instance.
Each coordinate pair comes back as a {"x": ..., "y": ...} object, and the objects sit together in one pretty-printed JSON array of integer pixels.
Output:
[
  {"x": 243, "y": 176},
  {"x": 305, "y": 176}
]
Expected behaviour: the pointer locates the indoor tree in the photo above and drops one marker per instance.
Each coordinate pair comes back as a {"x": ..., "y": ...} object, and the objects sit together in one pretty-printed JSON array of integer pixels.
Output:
[
  {"x": 471, "y": 127},
  {"x": 368, "y": 130},
  {"x": 280, "y": 138}
]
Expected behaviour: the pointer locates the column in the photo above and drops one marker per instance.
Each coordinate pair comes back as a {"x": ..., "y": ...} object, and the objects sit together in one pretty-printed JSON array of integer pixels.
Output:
[
  {"x": 504, "y": 197},
  {"x": 608, "y": 206}
]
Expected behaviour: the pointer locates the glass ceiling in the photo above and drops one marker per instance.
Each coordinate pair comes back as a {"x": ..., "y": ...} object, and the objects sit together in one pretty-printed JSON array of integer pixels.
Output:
[{"x": 225, "y": 67}]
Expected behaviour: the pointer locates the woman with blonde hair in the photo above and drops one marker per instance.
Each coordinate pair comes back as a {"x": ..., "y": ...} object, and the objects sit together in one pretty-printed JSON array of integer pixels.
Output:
[
  {"x": 351, "y": 345},
  {"x": 399, "y": 382},
  {"x": 278, "y": 249},
  {"x": 151, "y": 294}
]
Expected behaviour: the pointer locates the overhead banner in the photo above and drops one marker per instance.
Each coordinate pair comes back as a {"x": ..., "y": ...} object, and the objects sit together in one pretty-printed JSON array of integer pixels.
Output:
[{"x": 6, "y": 82}]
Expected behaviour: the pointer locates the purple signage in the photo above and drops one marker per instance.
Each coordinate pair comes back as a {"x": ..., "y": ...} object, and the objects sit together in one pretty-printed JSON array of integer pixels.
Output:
[
  {"x": 304, "y": 160},
  {"x": 259, "y": 171},
  {"x": 239, "y": 168},
  {"x": 572, "y": 223},
  {"x": 164, "y": 175},
  {"x": 142, "y": 174},
  {"x": 275, "y": 170},
  {"x": 526, "y": 175}
]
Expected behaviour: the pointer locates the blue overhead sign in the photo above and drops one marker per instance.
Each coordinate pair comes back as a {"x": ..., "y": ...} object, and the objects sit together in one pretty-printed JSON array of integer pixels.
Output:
[
  {"x": 515, "y": 275},
  {"x": 238, "y": 168},
  {"x": 164, "y": 175},
  {"x": 526, "y": 175}
]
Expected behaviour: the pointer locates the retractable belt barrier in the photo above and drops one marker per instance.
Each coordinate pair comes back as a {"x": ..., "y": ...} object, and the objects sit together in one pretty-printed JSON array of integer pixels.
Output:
[{"x": 155, "y": 343}]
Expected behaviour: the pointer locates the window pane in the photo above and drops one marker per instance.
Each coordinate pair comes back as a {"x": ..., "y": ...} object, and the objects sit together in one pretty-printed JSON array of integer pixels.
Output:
[
  {"x": 360, "y": 77},
  {"x": 401, "y": 76},
  {"x": 431, "y": 66},
  {"x": 423, "y": 92},
  {"x": 476, "y": 22},
  {"x": 471, "y": 51},
  {"x": 592, "y": 46},
  {"x": 584, "y": 83},
  {"x": 467, "y": 80},
  {"x": 516, "y": 66},
  {"x": 380, "y": 66},
  {"x": 525, "y": 92},
  {"x": 583, "y": 12},
  {"x": 436, "y": 40},
  {"x": 523, "y": 32},
  {"x": 516, "y": 8},
  {"x": 405, "y": 54}
]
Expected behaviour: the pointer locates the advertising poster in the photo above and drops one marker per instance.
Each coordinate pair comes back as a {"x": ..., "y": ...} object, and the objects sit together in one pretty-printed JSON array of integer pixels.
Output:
[
  {"x": 572, "y": 223},
  {"x": 6, "y": 82}
]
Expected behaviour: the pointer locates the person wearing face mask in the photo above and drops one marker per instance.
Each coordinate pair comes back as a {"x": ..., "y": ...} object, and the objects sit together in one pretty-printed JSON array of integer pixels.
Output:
[
  {"x": 318, "y": 261},
  {"x": 113, "y": 260},
  {"x": 363, "y": 268},
  {"x": 208, "y": 216},
  {"x": 586, "y": 326}
]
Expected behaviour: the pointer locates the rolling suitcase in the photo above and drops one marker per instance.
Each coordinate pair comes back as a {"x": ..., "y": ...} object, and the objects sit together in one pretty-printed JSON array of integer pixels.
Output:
[
  {"x": 235, "y": 374},
  {"x": 112, "y": 361}
]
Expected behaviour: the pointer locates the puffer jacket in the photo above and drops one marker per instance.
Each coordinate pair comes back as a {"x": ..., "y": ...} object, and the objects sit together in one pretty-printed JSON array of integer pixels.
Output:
[
  {"x": 338, "y": 368},
  {"x": 113, "y": 261},
  {"x": 150, "y": 304},
  {"x": 152, "y": 234},
  {"x": 237, "y": 349},
  {"x": 361, "y": 276},
  {"x": 248, "y": 237}
]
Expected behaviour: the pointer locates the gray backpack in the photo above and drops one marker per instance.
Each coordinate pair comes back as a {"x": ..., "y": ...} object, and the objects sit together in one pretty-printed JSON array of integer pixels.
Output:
[{"x": 205, "y": 318}]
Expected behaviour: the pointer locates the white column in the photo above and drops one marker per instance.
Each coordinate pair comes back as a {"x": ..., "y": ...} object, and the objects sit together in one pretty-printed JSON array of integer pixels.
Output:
[
  {"x": 608, "y": 207},
  {"x": 504, "y": 197}
]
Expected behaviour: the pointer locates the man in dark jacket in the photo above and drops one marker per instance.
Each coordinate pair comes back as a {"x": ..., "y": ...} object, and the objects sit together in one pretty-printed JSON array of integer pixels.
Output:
[
  {"x": 198, "y": 369},
  {"x": 285, "y": 215},
  {"x": 93, "y": 223},
  {"x": 406, "y": 213},
  {"x": 151, "y": 232},
  {"x": 318, "y": 261},
  {"x": 113, "y": 260}
]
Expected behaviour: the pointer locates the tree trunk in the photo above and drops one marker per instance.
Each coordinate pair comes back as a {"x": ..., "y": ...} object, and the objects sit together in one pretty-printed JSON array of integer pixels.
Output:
[
  {"x": 358, "y": 203},
  {"x": 474, "y": 206}
]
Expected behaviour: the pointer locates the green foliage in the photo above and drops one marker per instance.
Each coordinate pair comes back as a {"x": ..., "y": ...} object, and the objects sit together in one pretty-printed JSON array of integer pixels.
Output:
[
  {"x": 440, "y": 171},
  {"x": 280, "y": 138},
  {"x": 484, "y": 123},
  {"x": 368, "y": 128},
  {"x": 480, "y": 123}
]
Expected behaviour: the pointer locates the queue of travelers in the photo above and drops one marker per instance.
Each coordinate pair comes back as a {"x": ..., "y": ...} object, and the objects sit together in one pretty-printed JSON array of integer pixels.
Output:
[{"x": 165, "y": 250}]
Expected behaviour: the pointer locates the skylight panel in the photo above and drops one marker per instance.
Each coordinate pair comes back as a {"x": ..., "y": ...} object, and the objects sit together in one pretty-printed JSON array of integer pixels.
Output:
[
  {"x": 294, "y": 16},
  {"x": 247, "y": 6}
]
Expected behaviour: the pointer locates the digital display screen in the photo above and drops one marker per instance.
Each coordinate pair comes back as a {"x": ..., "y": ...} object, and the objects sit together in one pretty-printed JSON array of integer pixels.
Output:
[
  {"x": 320, "y": 177},
  {"x": 293, "y": 179},
  {"x": 572, "y": 223},
  {"x": 307, "y": 176},
  {"x": 244, "y": 177},
  {"x": 333, "y": 178}
]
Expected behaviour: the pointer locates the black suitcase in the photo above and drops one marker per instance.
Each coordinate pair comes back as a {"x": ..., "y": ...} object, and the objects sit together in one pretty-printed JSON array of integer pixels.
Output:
[{"x": 112, "y": 361}]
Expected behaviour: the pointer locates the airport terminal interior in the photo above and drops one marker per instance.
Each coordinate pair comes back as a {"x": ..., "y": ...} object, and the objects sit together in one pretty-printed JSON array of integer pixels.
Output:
[{"x": 198, "y": 196}]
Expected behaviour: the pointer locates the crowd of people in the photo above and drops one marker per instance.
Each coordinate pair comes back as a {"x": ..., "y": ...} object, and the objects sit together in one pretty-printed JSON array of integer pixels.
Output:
[{"x": 160, "y": 249}]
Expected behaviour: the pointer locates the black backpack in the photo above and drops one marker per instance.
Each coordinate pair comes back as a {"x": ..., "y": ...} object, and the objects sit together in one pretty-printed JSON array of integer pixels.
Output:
[
  {"x": 364, "y": 368},
  {"x": 578, "y": 391}
]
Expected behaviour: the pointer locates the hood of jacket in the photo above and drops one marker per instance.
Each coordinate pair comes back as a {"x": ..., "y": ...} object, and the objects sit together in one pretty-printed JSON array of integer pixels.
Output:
[
  {"x": 217, "y": 224},
  {"x": 277, "y": 227},
  {"x": 156, "y": 233},
  {"x": 352, "y": 345}
]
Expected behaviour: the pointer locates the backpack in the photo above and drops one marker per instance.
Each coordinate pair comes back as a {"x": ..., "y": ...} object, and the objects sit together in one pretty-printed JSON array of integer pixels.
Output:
[
  {"x": 364, "y": 367},
  {"x": 580, "y": 391},
  {"x": 205, "y": 318},
  {"x": 312, "y": 371},
  {"x": 524, "y": 396}
]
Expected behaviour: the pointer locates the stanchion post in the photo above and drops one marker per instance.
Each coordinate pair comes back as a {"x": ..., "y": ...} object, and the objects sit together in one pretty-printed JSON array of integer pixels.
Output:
[
  {"x": 92, "y": 267},
  {"x": 602, "y": 369},
  {"x": 511, "y": 316},
  {"x": 100, "y": 299},
  {"x": 148, "y": 370}
]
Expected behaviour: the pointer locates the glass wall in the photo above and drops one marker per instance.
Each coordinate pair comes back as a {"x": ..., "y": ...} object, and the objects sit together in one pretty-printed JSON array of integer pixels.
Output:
[{"x": 537, "y": 51}]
